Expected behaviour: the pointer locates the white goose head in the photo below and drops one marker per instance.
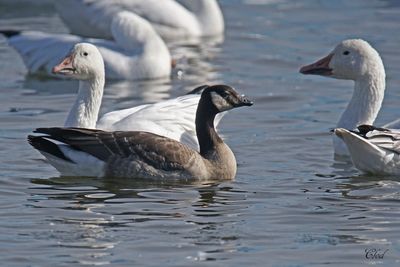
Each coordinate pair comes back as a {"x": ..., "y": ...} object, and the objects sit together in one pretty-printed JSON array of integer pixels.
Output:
[
  {"x": 352, "y": 59},
  {"x": 84, "y": 62}
]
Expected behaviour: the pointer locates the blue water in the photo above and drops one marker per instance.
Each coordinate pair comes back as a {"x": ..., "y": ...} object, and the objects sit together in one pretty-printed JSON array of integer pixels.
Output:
[{"x": 290, "y": 205}]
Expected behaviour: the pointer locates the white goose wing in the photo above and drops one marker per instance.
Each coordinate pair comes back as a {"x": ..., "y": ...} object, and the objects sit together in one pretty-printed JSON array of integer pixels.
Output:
[
  {"x": 173, "y": 118},
  {"x": 388, "y": 139},
  {"x": 373, "y": 150}
]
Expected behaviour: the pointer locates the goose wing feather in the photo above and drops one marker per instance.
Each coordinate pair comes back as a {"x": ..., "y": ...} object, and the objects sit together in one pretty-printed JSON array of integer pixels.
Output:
[
  {"x": 156, "y": 151},
  {"x": 386, "y": 139},
  {"x": 372, "y": 149},
  {"x": 174, "y": 118}
]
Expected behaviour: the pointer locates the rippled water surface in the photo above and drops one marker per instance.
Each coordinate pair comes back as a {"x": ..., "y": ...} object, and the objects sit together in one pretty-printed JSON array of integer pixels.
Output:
[{"x": 291, "y": 204}]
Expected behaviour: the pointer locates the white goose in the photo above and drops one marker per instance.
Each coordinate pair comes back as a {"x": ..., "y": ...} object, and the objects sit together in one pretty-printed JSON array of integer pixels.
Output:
[
  {"x": 189, "y": 18},
  {"x": 172, "y": 118},
  {"x": 137, "y": 51},
  {"x": 354, "y": 60}
]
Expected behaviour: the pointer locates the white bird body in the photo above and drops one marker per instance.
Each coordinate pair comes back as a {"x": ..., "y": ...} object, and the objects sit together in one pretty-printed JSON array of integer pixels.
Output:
[
  {"x": 137, "y": 51},
  {"x": 171, "y": 19}
]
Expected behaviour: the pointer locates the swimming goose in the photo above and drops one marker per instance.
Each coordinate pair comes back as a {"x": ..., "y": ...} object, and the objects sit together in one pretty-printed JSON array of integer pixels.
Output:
[
  {"x": 372, "y": 149},
  {"x": 355, "y": 60},
  {"x": 173, "y": 118},
  {"x": 86, "y": 152},
  {"x": 189, "y": 18},
  {"x": 137, "y": 51}
]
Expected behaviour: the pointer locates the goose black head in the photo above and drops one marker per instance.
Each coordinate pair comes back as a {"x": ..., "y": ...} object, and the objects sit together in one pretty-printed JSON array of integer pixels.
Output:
[{"x": 224, "y": 97}]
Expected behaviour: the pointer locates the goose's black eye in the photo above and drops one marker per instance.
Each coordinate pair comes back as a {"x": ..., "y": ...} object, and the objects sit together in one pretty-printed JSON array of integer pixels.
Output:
[
  {"x": 85, "y": 54},
  {"x": 346, "y": 52}
]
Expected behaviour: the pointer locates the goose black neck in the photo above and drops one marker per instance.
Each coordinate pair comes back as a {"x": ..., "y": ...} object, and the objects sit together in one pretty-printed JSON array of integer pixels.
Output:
[{"x": 206, "y": 134}]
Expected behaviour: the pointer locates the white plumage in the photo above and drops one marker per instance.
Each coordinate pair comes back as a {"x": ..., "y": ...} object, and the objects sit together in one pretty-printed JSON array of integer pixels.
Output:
[
  {"x": 355, "y": 60},
  {"x": 137, "y": 51},
  {"x": 372, "y": 150},
  {"x": 171, "y": 19},
  {"x": 376, "y": 151},
  {"x": 173, "y": 118}
]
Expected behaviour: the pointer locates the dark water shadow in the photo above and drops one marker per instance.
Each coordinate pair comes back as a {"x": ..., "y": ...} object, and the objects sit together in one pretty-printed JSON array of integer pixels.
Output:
[{"x": 91, "y": 189}]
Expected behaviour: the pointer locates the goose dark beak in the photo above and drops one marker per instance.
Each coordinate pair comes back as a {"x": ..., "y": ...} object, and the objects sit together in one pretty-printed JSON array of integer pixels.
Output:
[
  {"x": 244, "y": 101},
  {"x": 321, "y": 67}
]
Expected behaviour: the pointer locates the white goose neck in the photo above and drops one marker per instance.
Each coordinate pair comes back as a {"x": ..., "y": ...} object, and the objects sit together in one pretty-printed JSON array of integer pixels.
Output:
[
  {"x": 208, "y": 14},
  {"x": 366, "y": 101},
  {"x": 153, "y": 44},
  {"x": 134, "y": 33},
  {"x": 155, "y": 61},
  {"x": 85, "y": 111},
  {"x": 146, "y": 53}
]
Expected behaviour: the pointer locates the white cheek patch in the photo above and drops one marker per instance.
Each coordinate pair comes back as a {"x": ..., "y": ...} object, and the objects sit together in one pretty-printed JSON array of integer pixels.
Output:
[{"x": 219, "y": 102}]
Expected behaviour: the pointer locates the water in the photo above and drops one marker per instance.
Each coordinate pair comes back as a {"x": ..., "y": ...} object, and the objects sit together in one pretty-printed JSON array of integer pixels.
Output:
[{"x": 290, "y": 204}]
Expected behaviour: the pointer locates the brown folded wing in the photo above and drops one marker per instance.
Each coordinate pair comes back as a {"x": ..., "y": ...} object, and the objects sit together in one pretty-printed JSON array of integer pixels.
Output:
[{"x": 157, "y": 151}]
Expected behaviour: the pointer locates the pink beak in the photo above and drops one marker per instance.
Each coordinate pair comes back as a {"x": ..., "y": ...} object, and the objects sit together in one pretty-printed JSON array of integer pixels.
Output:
[
  {"x": 66, "y": 64},
  {"x": 321, "y": 67}
]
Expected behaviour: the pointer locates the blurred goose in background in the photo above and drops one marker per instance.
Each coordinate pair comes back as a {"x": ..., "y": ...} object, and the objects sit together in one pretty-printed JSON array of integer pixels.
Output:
[
  {"x": 172, "y": 118},
  {"x": 85, "y": 152},
  {"x": 372, "y": 149},
  {"x": 171, "y": 19},
  {"x": 137, "y": 51},
  {"x": 355, "y": 60}
]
